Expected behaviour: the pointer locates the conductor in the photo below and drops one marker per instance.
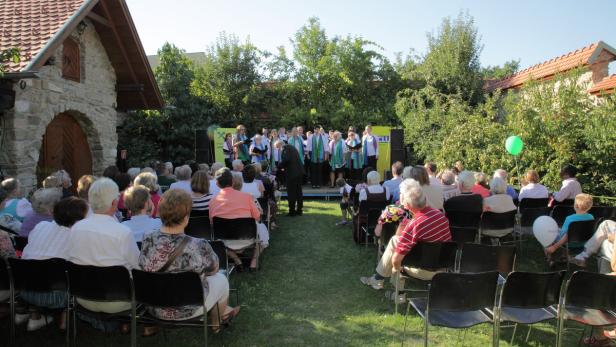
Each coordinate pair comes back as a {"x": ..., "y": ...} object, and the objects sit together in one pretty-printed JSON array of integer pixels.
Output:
[{"x": 294, "y": 170}]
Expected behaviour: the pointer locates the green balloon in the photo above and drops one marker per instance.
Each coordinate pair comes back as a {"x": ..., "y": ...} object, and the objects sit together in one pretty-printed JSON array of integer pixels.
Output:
[{"x": 514, "y": 145}]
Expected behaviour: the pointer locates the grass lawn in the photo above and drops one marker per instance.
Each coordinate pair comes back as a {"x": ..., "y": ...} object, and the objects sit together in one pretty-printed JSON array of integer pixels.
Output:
[{"x": 308, "y": 294}]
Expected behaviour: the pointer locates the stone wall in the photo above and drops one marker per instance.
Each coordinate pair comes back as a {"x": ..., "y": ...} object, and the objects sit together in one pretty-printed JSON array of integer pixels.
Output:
[{"x": 92, "y": 103}]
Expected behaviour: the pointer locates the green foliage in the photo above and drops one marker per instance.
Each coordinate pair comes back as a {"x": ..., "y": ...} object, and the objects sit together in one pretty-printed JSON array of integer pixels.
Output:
[
  {"x": 8, "y": 55},
  {"x": 499, "y": 72}
]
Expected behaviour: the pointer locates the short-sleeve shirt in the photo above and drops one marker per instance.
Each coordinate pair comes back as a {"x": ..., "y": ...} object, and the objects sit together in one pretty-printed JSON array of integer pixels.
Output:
[{"x": 428, "y": 225}]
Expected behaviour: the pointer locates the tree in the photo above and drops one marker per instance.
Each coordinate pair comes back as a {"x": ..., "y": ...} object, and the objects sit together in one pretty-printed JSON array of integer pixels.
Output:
[
  {"x": 498, "y": 72},
  {"x": 8, "y": 55},
  {"x": 451, "y": 64},
  {"x": 229, "y": 74}
]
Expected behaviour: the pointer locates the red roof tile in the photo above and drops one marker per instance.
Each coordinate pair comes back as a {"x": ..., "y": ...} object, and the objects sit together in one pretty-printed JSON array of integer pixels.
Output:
[
  {"x": 605, "y": 86},
  {"x": 569, "y": 61},
  {"x": 30, "y": 24}
]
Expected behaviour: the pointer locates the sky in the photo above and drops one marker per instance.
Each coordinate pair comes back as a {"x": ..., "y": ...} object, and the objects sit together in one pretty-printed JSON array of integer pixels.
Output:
[{"x": 529, "y": 30}]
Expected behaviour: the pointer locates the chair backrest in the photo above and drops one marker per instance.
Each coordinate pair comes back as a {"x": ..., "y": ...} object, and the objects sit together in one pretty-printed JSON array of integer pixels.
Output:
[
  {"x": 112, "y": 283},
  {"x": 532, "y": 289},
  {"x": 529, "y": 214},
  {"x": 533, "y": 203},
  {"x": 580, "y": 231},
  {"x": 463, "y": 218},
  {"x": 591, "y": 290},
  {"x": 200, "y": 213},
  {"x": 462, "y": 235},
  {"x": 20, "y": 242},
  {"x": 199, "y": 227},
  {"x": 373, "y": 217},
  {"x": 152, "y": 288},
  {"x": 365, "y": 206},
  {"x": 39, "y": 275},
  {"x": 264, "y": 203},
  {"x": 481, "y": 258},
  {"x": 221, "y": 251},
  {"x": 605, "y": 212},
  {"x": 560, "y": 212},
  {"x": 388, "y": 231},
  {"x": 5, "y": 277},
  {"x": 234, "y": 229},
  {"x": 498, "y": 221},
  {"x": 432, "y": 255},
  {"x": 462, "y": 292},
  {"x": 566, "y": 202}
]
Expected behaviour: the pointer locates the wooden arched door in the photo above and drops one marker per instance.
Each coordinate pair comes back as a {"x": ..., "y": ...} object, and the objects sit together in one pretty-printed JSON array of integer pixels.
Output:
[{"x": 65, "y": 146}]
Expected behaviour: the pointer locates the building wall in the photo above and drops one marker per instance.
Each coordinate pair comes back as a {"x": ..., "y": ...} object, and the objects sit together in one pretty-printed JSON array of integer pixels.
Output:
[{"x": 92, "y": 103}]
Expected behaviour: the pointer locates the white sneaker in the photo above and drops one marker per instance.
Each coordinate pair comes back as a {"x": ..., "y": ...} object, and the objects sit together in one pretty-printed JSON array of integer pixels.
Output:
[
  {"x": 21, "y": 318},
  {"x": 373, "y": 282},
  {"x": 36, "y": 324}
]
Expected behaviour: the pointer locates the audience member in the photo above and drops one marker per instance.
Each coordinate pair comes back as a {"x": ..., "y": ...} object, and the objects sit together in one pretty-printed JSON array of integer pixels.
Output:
[
  {"x": 570, "y": 186},
  {"x": 449, "y": 185},
  {"x": 504, "y": 175},
  {"x": 15, "y": 204},
  {"x": 133, "y": 172},
  {"x": 201, "y": 197},
  {"x": 138, "y": 200},
  {"x": 83, "y": 185},
  {"x": 100, "y": 240},
  {"x": 49, "y": 239},
  {"x": 213, "y": 186},
  {"x": 345, "y": 190},
  {"x": 164, "y": 176},
  {"x": 238, "y": 165},
  {"x": 481, "y": 185},
  {"x": 43, "y": 202},
  {"x": 251, "y": 185},
  {"x": 374, "y": 191},
  {"x": 601, "y": 242},
  {"x": 533, "y": 189},
  {"x": 111, "y": 172},
  {"x": 149, "y": 180},
  {"x": 170, "y": 250},
  {"x": 183, "y": 174},
  {"x": 433, "y": 194},
  {"x": 498, "y": 202},
  {"x": 393, "y": 185},
  {"x": 428, "y": 225},
  {"x": 65, "y": 182},
  {"x": 431, "y": 168},
  {"x": 582, "y": 204},
  {"x": 466, "y": 201},
  {"x": 51, "y": 182}
]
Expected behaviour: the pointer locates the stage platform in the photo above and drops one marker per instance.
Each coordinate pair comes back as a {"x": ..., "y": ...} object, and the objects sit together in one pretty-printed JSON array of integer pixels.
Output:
[{"x": 317, "y": 193}]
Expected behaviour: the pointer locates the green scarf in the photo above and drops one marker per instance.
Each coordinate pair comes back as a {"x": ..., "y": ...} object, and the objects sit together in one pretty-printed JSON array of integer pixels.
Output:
[
  {"x": 337, "y": 154},
  {"x": 317, "y": 150}
]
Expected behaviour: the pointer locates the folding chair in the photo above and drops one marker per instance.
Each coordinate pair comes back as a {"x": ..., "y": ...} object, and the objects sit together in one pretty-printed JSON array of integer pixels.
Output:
[
  {"x": 102, "y": 284},
  {"x": 223, "y": 262},
  {"x": 152, "y": 289},
  {"x": 462, "y": 235},
  {"x": 481, "y": 258},
  {"x": 430, "y": 256},
  {"x": 577, "y": 235},
  {"x": 5, "y": 287},
  {"x": 603, "y": 212},
  {"x": 589, "y": 299},
  {"x": 560, "y": 212},
  {"x": 463, "y": 218},
  {"x": 39, "y": 276},
  {"x": 531, "y": 209},
  {"x": 458, "y": 301},
  {"x": 235, "y": 229},
  {"x": 361, "y": 216},
  {"x": 199, "y": 226},
  {"x": 387, "y": 232},
  {"x": 497, "y": 221},
  {"x": 265, "y": 207},
  {"x": 529, "y": 298},
  {"x": 371, "y": 222}
]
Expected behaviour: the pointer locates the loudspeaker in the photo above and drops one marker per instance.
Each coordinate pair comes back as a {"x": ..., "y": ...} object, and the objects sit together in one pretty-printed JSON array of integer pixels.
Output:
[
  {"x": 397, "y": 152},
  {"x": 203, "y": 147}
]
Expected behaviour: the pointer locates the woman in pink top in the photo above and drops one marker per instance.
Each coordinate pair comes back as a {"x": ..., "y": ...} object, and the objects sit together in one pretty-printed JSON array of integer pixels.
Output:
[{"x": 480, "y": 186}]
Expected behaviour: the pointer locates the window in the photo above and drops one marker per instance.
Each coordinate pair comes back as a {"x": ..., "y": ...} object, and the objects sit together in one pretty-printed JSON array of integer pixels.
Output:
[{"x": 71, "y": 65}]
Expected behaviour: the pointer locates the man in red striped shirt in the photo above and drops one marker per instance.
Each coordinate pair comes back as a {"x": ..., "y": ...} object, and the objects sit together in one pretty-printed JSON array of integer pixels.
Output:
[{"x": 427, "y": 225}]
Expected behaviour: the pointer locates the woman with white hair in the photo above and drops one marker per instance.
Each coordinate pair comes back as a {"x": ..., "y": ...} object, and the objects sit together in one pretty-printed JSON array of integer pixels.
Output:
[
  {"x": 66, "y": 182},
  {"x": 43, "y": 202},
  {"x": 15, "y": 204},
  {"x": 183, "y": 174},
  {"x": 499, "y": 201},
  {"x": 258, "y": 150},
  {"x": 213, "y": 186},
  {"x": 510, "y": 190},
  {"x": 375, "y": 191},
  {"x": 448, "y": 184},
  {"x": 150, "y": 181},
  {"x": 133, "y": 172}
]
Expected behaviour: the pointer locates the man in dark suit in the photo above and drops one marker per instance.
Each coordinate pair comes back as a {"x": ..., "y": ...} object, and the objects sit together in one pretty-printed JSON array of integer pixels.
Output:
[{"x": 294, "y": 172}]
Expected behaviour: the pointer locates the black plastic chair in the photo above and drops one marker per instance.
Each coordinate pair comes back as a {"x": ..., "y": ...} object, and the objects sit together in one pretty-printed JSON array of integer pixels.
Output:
[
  {"x": 560, "y": 212},
  {"x": 589, "y": 299},
  {"x": 577, "y": 235},
  {"x": 533, "y": 203},
  {"x": 531, "y": 209},
  {"x": 463, "y": 218},
  {"x": 265, "y": 207},
  {"x": 462, "y": 235},
  {"x": 430, "y": 256},
  {"x": 102, "y": 284},
  {"x": 152, "y": 289},
  {"x": 603, "y": 212},
  {"x": 223, "y": 263},
  {"x": 498, "y": 221},
  {"x": 41, "y": 276},
  {"x": 235, "y": 229},
  {"x": 371, "y": 222},
  {"x": 529, "y": 298},
  {"x": 481, "y": 258},
  {"x": 362, "y": 216},
  {"x": 387, "y": 232},
  {"x": 5, "y": 285},
  {"x": 199, "y": 226},
  {"x": 458, "y": 301},
  {"x": 20, "y": 242}
]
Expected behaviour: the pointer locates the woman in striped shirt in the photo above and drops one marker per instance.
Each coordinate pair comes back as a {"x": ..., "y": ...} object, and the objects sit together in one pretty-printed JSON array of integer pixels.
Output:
[{"x": 200, "y": 185}]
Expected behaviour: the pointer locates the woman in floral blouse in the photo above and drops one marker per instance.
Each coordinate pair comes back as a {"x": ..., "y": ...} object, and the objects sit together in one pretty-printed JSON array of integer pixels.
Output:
[{"x": 197, "y": 255}]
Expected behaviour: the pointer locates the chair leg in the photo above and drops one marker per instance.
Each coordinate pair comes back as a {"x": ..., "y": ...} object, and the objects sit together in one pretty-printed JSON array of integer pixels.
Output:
[
  {"x": 397, "y": 285},
  {"x": 426, "y": 330},
  {"x": 530, "y": 328},
  {"x": 12, "y": 319},
  {"x": 559, "y": 330},
  {"x": 133, "y": 326},
  {"x": 406, "y": 317}
]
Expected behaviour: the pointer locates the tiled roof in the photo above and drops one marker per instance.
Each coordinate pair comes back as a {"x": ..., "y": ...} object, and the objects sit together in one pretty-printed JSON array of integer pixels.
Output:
[
  {"x": 606, "y": 86},
  {"x": 30, "y": 24},
  {"x": 569, "y": 61}
]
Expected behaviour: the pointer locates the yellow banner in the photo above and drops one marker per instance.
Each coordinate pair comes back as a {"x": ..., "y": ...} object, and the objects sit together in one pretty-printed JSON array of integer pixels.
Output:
[
  {"x": 383, "y": 164},
  {"x": 219, "y": 140}
]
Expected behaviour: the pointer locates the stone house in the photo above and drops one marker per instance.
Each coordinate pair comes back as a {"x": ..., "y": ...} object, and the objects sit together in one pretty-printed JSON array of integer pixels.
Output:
[
  {"x": 82, "y": 68},
  {"x": 593, "y": 60}
]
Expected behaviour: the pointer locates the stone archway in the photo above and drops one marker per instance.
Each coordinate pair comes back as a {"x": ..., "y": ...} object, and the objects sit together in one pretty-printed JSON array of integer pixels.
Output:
[{"x": 64, "y": 146}]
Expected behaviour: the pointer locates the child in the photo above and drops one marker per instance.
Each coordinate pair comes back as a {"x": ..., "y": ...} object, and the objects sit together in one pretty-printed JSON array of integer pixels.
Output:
[
  {"x": 345, "y": 190},
  {"x": 583, "y": 203}
]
